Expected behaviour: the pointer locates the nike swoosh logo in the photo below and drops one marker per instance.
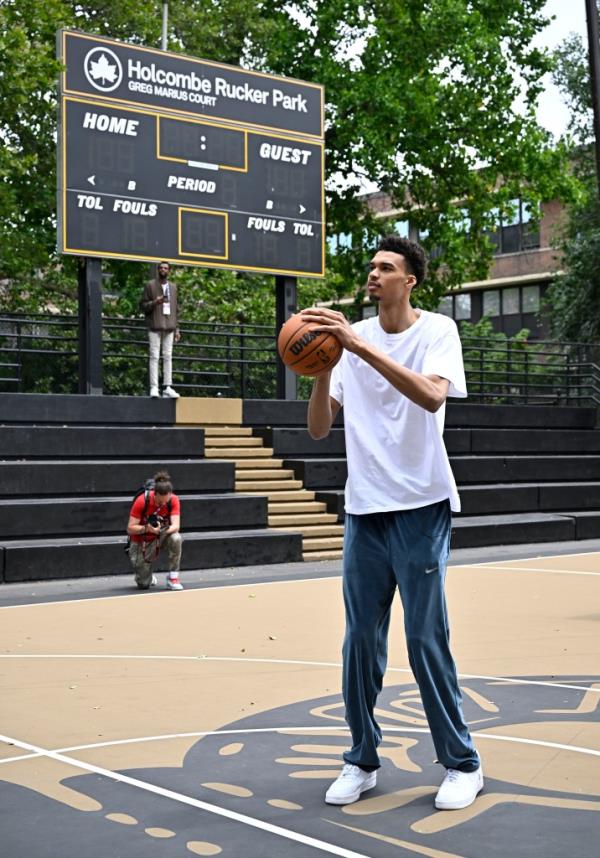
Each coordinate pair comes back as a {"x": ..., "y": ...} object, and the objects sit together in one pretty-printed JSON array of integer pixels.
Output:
[{"x": 429, "y": 571}]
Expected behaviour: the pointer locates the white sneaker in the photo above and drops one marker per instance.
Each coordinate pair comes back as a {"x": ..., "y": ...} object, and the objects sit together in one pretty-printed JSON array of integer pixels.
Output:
[
  {"x": 351, "y": 783},
  {"x": 154, "y": 392},
  {"x": 459, "y": 789},
  {"x": 174, "y": 583},
  {"x": 169, "y": 393}
]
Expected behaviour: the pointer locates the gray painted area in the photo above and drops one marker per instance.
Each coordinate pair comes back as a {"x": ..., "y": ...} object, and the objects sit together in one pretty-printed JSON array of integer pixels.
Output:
[{"x": 101, "y": 587}]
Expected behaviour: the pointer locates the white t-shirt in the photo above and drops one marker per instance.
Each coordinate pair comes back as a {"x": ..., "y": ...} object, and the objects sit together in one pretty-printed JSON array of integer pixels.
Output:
[{"x": 395, "y": 449}]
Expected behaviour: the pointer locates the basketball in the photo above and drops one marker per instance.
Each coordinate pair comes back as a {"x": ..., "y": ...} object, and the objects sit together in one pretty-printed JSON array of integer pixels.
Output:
[{"x": 306, "y": 351}]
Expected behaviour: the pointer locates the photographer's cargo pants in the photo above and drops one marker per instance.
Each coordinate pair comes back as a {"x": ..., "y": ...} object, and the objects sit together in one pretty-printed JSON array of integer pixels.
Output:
[{"x": 143, "y": 556}]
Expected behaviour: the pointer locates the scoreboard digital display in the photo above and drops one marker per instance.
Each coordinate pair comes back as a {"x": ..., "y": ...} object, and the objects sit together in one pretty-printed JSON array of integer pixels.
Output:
[{"x": 167, "y": 157}]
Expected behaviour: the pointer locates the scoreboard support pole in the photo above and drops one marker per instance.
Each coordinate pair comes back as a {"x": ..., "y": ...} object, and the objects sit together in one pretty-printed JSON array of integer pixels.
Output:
[
  {"x": 286, "y": 304},
  {"x": 89, "y": 283}
]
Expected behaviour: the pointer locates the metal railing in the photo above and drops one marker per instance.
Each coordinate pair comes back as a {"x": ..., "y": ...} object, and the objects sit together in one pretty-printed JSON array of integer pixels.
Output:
[
  {"x": 39, "y": 353},
  {"x": 532, "y": 372}
]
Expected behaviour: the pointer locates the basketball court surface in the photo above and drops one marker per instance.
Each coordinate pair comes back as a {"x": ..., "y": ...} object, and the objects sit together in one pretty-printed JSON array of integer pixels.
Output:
[{"x": 210, "y": 722}]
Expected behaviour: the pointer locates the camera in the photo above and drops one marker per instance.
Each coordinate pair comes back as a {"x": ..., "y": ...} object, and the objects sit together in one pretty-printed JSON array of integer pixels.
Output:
[{"x": 156, "y": 520}]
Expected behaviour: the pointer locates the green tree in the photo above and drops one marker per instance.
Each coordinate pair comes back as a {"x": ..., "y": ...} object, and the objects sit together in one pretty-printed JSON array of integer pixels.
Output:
[
  {"x": 420, "y": 102},
  {"x": 573, "y": 298}
]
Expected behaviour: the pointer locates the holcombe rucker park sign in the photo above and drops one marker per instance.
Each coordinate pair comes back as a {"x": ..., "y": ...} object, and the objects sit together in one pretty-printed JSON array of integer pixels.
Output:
[{"x": 163, "y": 156}]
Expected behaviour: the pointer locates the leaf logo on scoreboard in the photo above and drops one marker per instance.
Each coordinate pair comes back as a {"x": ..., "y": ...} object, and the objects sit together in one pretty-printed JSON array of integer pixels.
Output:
[{"x": 103, "y": 69}]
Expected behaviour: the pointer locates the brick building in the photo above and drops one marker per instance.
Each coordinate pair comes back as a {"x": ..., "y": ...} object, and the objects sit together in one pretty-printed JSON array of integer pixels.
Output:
[{"x": 523, "y": 266}]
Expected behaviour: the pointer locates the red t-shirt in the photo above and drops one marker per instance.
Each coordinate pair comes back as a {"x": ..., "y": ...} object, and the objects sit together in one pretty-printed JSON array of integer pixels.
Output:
[{"x": 137, "y": 511}]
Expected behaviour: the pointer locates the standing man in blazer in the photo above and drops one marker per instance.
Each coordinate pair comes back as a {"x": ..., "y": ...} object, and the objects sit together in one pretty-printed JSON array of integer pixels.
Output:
[{"x": 159, "y": 304}]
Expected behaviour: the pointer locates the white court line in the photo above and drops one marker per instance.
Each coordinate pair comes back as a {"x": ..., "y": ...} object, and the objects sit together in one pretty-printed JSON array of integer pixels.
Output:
[
  {"x": 493, "y": 568},
  {"x": 511, "y": 680},
  {"x": 508, "y": 679},
  {"x": 543, "y": 557},
  {"x": 577, "y": 749},
  {"x": 189, "y": 800}
]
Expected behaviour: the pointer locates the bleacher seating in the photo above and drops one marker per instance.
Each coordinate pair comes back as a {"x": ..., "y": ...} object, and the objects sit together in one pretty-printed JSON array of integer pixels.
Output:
[
  {"x": 525, "y": 473},
  {"x": 69, "y": 466}
]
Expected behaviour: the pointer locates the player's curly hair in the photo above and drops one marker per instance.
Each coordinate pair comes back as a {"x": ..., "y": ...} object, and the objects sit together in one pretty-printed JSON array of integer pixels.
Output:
[{"x": 413, "y": 253}]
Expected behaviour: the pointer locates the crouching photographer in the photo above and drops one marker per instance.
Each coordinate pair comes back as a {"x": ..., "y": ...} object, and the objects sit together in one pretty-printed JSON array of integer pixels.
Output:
[{"x": 153, "y": 525}]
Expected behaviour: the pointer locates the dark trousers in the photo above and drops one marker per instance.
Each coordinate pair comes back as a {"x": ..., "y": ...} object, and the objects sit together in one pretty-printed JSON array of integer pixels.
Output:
[{"x": 407, "y": 549}]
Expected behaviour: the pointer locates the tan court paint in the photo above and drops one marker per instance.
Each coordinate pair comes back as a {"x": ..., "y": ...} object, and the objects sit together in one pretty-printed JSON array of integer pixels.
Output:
[{"x": 503, "y": 623}]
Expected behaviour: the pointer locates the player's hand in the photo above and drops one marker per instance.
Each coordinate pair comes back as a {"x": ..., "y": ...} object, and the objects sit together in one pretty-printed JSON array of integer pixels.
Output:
[{"x": 335, "y": 323}]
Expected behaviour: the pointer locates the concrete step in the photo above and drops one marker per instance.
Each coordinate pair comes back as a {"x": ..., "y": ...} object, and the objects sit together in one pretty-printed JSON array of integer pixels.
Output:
[
  {"x": 285, "y": 495},
  {"x": 238, "y": 453},
  {"x": 96, "y": 442},
  {"x": 290, "y": 507},
  {"x": 302, "y": 518},
  {"x": 524, "y": 469},
  {"x": 311, "y": 556},
  {"x": 313, "y": 529},
  {"x": 330, "y": 473},
  {"x": 281, "y": 413},
  {"x": 295, "y": 442},
  {"x": 24, "y": 518},
  {"x": 264, "y": 486},
  {"x": 45, "y": 559},
  {"x": 258, "y": 464},
  {"x": 482, "y": 530},
  {"x": 264, "y": 474},
  {"x": 227, "y": 431},
  {"x": 213, "y": 442},
  {"x": 52, "y": 478},
  {"x": 322, "y": 543}
]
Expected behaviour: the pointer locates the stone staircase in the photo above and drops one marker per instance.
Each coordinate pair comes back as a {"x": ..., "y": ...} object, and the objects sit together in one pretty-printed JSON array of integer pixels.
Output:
[{"x": 291, "y": 507}]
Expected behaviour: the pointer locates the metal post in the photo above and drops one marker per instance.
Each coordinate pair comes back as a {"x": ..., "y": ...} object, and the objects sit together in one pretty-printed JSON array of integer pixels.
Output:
[
  {"x": 286, "y": 304},
  {"x": 165, "y": 22},
  {"x": 593, "y": 31},
  {"x": 90, "y": 326}
]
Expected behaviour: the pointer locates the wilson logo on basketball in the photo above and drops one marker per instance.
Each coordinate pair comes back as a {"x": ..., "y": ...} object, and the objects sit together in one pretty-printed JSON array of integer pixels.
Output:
[{"x": 303, "y": 341}]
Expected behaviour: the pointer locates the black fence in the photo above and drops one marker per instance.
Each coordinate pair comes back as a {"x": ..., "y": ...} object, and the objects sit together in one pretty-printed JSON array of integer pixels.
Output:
[{"x": 39, "y": 354}]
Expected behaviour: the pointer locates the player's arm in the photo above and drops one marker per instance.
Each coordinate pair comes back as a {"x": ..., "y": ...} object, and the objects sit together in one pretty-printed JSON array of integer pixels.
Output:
[
  {"x": 322, "y": 408},
  {"x": 428, "y": 391}
]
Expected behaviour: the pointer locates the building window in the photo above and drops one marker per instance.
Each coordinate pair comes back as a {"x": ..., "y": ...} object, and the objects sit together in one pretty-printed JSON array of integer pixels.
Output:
[
  {"x": 531, "y": 299},
  {"x": 515, "y": 231},
  {"x": 456, "y": 306},
  {"x": 491, "y": 302},
  {"x": 402, "y": 228},
  {"x": 445, "y": 306},
  {"x": 462, "y": 306},
  {"x": 510, "y": 301}
]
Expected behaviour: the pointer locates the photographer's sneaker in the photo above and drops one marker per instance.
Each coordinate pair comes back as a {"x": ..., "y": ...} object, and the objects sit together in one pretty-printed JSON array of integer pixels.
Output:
[
  {"x": 459, "y": 789},
  {"x": 351, "y": 783},
  {"x": 169, "y": 393},
  {"x": 174, "y": 583},
  {"x": 154, "y": 392}
]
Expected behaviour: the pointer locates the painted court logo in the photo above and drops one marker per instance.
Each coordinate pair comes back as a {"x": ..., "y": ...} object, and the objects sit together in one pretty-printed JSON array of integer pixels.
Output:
[
  {"x": 103, "y": 69},
  {"x": 539, "y": 740}
]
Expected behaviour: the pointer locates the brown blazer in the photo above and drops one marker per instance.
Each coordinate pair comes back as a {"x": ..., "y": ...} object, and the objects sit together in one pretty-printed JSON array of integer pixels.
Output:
[{"x": 155, "y": 318}]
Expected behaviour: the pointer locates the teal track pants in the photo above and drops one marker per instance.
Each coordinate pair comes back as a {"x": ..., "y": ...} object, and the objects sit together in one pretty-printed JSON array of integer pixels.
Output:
[{"x": 407, "y": 549}]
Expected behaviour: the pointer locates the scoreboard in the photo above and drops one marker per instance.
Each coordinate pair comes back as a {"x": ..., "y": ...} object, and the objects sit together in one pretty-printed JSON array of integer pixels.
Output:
[{"x": 168, "y": 157}]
